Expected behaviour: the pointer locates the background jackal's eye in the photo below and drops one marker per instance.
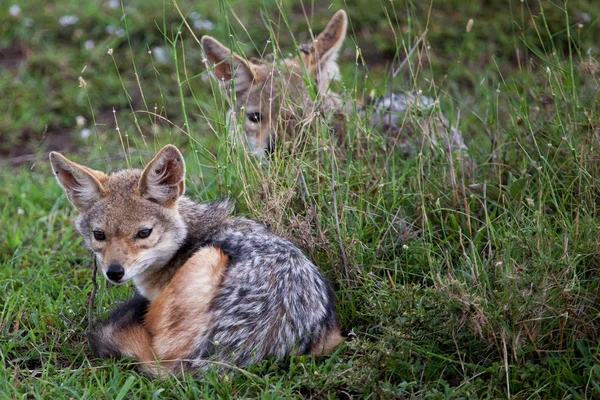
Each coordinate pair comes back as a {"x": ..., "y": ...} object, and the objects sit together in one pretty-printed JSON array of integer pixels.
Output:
[
  {"x": 99, "y": 235},
  {"x": 254, "y": 117},
  {"x": 143, "y": 233}
]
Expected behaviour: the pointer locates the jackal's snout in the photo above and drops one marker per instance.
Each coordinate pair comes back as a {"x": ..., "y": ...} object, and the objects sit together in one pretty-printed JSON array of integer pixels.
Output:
[{"x": 115, "y": 272}]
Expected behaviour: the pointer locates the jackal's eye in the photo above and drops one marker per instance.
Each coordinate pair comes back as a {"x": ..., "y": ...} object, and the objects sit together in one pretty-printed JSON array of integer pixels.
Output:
[
  {"x": 99, "y": 235},
  {"x": 143, "y": 233},
  {"x": 254, "y": 117}
]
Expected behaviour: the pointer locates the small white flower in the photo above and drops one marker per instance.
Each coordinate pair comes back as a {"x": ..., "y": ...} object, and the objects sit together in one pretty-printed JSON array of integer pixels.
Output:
[
  {"x": 161, "y": 55},
  {"x": 89, "y": 45},
  {"x": 20, "y": 211},
  {"x": 14, "y": 10},
  {"x": 114, "y": 4},
  {"x": 68, "y": 20},
  {"x": 404, "y": 247},
  {"x": 110, "y": 52},
  {"x": 529, "y": 202},
  {"x": 204, "y": 25},
  {"x": 85, "y": 133},
  {"x": 469, "y": 25},
  {"x": 80, "y": 120},
  {"x": 585, "y": 18}
]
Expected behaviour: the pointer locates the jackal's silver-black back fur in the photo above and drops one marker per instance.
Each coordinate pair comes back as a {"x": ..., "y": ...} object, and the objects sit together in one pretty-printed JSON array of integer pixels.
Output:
[
  {"x": 273, "y": 300},
  {"x": 392, "y": 113}
]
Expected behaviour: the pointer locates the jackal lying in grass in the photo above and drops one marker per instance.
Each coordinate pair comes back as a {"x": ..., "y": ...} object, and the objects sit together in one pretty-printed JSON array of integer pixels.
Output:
[
  {"x": 273, "y": 100},
  {"x": 209, "y": 286}
]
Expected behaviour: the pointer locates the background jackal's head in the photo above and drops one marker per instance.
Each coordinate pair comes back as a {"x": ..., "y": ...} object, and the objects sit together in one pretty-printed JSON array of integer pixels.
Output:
[
  {"x": 272, "y": 97},
  {"x": 129, "y": 219}
]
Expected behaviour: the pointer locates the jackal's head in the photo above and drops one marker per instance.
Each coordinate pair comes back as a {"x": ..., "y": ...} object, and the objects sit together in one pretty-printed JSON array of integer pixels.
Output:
[
  {"x": 129, "y": 219},
  {"x": 272, "y": 97}
]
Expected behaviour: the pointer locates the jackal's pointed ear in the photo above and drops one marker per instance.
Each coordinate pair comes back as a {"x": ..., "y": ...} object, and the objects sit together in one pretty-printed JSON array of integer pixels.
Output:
[
  {"x": 227, "y": 65},
  {"x": 320, "y": 56},
  {"x": 163, "y": 179},
  {"x": 83, "y": 185}
]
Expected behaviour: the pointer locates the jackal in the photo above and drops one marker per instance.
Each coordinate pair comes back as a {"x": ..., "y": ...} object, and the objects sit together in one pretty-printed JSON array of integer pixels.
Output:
[
  {"x": 209, "y": 285},
  {"x": 273, "y": 101}
]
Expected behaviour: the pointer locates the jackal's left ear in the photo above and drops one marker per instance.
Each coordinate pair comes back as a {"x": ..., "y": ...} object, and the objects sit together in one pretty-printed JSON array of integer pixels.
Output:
[
  {"x": 228, "y": 66},
  {"x": 163, "y": 179},
  {"x": 83, "y": 185},
  {"x": 320, "y": 56}
]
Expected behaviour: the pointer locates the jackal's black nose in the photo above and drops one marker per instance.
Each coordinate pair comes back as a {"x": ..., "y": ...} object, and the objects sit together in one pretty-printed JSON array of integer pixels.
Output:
[{"x": 115, "y": 272}]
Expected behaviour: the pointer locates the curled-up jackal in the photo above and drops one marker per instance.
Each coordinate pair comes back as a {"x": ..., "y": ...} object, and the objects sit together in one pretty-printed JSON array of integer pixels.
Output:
[
  {"x": 209, "y": 285},
  {"x": 276, "y": 98}
]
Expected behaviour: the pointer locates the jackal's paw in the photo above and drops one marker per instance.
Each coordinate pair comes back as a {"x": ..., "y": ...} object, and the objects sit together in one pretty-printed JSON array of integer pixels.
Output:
[{"x": 160, "y": 371}]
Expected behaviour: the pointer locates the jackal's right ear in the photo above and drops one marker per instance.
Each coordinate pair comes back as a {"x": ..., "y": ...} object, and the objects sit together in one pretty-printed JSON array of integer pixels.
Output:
[
  {"x": 320, "y": 55},
  {"x": 227, "y": 65},
  {"x": 163, "y": 179},
  {"x": 83, "y": 185}
]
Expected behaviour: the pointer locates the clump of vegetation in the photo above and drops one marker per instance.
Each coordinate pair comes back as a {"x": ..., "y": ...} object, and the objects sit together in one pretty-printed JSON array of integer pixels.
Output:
[{"x": 455, "y": 278}]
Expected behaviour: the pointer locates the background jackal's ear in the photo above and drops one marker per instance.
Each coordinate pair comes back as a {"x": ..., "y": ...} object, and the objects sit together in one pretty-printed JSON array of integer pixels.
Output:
[
  {"x": 227, "y": 65},
  {"x": 163, "y": 179},
  {"x": 320, "y": 56},
  {"x": 83, "y": 185}
]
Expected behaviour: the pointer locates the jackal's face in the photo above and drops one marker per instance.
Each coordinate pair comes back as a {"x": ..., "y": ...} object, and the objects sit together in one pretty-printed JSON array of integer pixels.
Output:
[
  {"x": 129, "y": 219},
  {"x": 272, "y": 97}
]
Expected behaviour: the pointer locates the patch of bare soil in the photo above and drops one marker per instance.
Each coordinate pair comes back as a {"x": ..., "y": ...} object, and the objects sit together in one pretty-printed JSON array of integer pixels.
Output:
[
  {"x": 29, "y": 146},
  {"x": 13, "y": 56}
]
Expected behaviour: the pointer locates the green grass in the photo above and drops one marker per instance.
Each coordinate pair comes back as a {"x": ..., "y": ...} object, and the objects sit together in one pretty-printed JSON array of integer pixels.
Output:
[{"x": 464, "y": 280}]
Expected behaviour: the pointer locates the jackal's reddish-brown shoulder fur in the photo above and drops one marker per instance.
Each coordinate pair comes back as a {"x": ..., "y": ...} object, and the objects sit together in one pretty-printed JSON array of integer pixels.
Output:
[
  {"x": 182, "y": 310},
  {"x": 209, "y": 285}
]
